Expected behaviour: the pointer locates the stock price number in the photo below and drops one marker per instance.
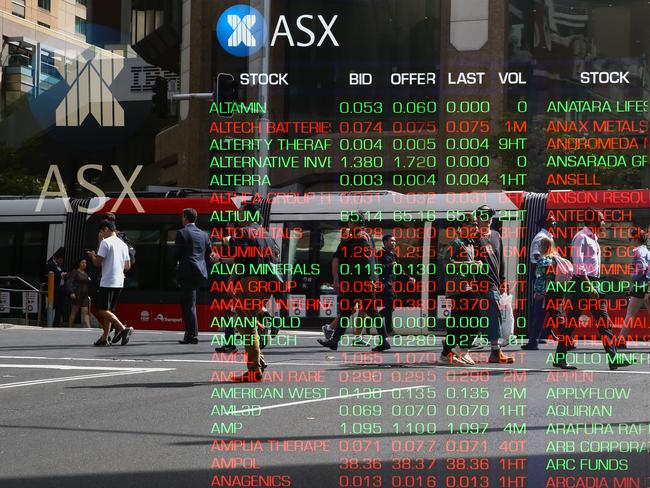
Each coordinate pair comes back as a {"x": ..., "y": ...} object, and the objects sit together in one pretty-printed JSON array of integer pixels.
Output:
[
  {"x": 414, "y": 179},
  {"x": 360, "y": 481},
  {"x": 357, "y": 410},
  {"x": 361, "y": 180},
  {"x": 467, "y": 144},
  {"x": 413, "y": 481},
  {"x": 361, "y": 107},
  {"x": 363, "y": 463},
  {"x": 362, "y": 162},
  {"x": 415, "y": 428},
  {"x": 360, "y": 144},
  {"x": 360, "y": 428},
  {"x": 472, "y": 428},
  {"x": 414, "y": 144},
  {"x": 415, "y": 162},
  {"x": 415, "y": 107},
  {"x": 466, "y": 179}
]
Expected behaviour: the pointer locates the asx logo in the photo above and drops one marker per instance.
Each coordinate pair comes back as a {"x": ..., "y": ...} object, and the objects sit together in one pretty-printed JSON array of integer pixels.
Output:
[
  {"x": 90, "y": 78},
  {"x": 241, "y": 30}
]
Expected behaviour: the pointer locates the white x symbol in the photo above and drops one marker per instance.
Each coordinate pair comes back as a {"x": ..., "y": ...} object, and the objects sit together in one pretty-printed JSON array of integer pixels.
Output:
[{"x": 241, "y": 30}]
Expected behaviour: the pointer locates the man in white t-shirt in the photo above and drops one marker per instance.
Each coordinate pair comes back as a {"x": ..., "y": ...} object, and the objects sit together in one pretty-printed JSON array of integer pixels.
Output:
[{"x": 113, "y": 257}]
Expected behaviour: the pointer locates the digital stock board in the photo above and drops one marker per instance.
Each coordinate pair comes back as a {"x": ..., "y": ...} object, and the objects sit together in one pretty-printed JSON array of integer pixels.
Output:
[{"x": 402, "y": 244}]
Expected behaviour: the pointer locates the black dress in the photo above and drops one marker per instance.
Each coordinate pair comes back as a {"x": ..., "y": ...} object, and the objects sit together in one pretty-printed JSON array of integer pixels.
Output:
[{"x": 78, "y": 283}]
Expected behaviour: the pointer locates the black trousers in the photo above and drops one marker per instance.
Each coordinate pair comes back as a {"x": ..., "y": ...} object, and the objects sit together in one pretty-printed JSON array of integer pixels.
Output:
[
  {"x": 581, "y": 302},
  {"x": 188, "y": 306},
  {"x": 387, "y": 297},
  {"x": 366, "y": 301},
  {"x": 59, "y": 305}
]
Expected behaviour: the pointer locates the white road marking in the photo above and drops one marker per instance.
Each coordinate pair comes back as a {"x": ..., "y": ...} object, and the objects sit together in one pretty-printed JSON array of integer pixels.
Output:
[
  {"x": 314, "y": 400},
  {"x": 197, "y": 361},
  {"x": 107, "y": 372},
  {"x": 68, "y": 367},
  {"x": 325, "y": 363}
]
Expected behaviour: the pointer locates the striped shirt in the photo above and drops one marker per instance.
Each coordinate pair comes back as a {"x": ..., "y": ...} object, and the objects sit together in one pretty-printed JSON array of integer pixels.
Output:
[{"x": 585, "y": 254}]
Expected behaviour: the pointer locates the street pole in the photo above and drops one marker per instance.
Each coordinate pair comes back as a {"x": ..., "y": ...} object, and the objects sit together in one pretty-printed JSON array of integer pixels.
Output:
[{"x": 263, "y": 151}]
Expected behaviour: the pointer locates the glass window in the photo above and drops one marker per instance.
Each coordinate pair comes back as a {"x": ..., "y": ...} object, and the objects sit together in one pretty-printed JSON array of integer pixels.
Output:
[
  {"x": 82, "y": 2},
  {"x": 396, "y": 36},
  {"x": 45, "y": 4},
  {"x": 169, "y": 265},
  {"x": 299, "y": 250},
  {"x": 145, "y": 275},
  {"x": 7, "y": 243},
  {"x": 18, "y": 8},
  {"x": 32, "y": 259},
  {"x": 80, "y": 25}
]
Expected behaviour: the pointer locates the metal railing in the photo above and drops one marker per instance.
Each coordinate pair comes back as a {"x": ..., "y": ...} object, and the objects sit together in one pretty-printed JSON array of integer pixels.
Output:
[{"x": 28, "y": 288}]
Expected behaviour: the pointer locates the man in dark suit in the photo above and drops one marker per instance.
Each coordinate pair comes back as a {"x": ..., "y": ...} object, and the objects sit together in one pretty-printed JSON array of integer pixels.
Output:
[
  {"x": 191, "y": 252},
  {"x": 55, "y": 265}
]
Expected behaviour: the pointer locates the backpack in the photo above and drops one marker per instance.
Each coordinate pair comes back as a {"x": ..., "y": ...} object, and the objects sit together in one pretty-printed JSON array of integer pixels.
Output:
[
  {"x": 563, "y": 269},
  {"x": 129, "y": 244}
]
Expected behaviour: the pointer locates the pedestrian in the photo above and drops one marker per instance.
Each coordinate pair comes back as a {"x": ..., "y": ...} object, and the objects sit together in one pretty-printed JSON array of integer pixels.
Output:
[
  {"x": 122, "y": 236},
  {"x": 586, "y": 295},
  {"x": 113, "y": 257},
  {"x": 77, "y": 290},
  {"x": 132, "y": 252},
  {"x": 229, "y": 330},
  {"x": 192, "y": 250},
  {"x": 254, "y": 254},
  {"x": 490, "y": 252},
  {"x": 545, "y": 292},
  {"x": 55, "y": 265},
  {"x": 357, "y": 285},
  {"x": 389, "y": 261},
  {"x": 461, "y": 286},
  {"x": 328, "y": 329},
  {"x": 536, "y": 311},
  {"x": 639, "y": 292}
]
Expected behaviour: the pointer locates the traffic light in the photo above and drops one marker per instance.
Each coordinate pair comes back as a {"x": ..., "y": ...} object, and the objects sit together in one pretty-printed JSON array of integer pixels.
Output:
[
  {"x": 159, "y": 99},
  {"x": 225, "y": 89}
]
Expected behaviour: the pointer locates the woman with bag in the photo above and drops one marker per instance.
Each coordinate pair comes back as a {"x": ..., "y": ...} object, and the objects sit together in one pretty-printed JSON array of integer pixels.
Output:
[
  {"x": 460, "y": 287},
  {"x": 550, "y": 268},
  {"x": 77, "y": 290},
  {"x": 639, "y": 289}
]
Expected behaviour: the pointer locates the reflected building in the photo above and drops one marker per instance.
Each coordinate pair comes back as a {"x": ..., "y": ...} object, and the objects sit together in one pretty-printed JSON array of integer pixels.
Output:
[{"x": 77, "y": 78}]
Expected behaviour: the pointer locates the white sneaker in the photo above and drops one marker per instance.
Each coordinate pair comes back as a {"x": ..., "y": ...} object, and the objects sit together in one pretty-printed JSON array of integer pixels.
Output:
[{"x": 463, "y": 355}]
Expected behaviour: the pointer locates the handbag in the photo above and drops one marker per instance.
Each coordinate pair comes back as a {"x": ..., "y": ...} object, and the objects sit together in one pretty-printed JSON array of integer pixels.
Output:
[
  {"x": 563, "y": 269},
  {"x": 507, "y": 327}
]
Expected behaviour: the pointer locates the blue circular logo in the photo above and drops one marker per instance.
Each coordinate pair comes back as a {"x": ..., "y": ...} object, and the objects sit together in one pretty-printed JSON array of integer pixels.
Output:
[{"x": 241, "y": 30}]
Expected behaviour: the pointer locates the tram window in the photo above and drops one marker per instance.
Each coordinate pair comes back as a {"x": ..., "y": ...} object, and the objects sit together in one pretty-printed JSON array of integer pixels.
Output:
[
  {"x": 299, "y": 249},
  {"x": 169, "y": 265},
  {"x": 7, "y": 243},
  {"x": 33, "y": 259},
  {"x": 145, "y": 275},
  {"x": 330, "y": 236}
]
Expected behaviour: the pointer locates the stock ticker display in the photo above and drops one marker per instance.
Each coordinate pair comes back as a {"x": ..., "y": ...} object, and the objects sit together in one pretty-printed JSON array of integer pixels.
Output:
[
  {"x": 412, "y": 135},
  {"x": 432, "y": 215}
]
